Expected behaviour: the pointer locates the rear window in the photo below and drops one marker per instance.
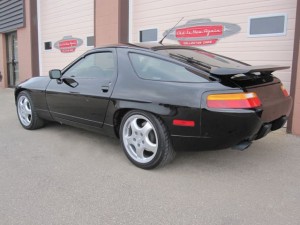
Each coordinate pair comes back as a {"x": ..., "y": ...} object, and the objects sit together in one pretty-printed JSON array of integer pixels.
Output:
[
  {"x": 207, "y": 58},
  {"x": 151, "y": 68}
]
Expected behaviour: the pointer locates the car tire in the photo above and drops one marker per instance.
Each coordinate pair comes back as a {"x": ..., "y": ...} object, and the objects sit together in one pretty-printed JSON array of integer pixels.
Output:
[
  {"x": 26, "y": 112},
  {"x": 145, "y": 140}
]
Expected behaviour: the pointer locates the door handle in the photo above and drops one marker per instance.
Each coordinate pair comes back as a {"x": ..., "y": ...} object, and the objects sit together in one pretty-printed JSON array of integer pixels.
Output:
[
  {"x": 104, "y": 89},
  {"x": 70, "y": 82}
]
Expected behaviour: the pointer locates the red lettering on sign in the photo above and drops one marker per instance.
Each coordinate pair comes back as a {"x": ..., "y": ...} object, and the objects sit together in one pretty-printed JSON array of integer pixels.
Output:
[
  {"x": 67, "y": 46},
  {"x": 199, "y": 31}
]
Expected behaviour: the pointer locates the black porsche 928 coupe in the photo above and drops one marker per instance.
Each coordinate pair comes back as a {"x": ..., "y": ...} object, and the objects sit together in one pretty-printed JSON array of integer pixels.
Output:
[{"x": 159, "y": 98}]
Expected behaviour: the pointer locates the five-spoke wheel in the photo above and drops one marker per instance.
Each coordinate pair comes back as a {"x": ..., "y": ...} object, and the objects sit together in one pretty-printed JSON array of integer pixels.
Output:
[
  {"x": 26, "y": 112},
  {"x": 140, "y": 138},
  {"x": 145, "y": 140}
]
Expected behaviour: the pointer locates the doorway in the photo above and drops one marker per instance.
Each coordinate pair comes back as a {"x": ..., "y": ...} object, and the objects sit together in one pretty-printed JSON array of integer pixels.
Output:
[{"x": 12, "y": 59}]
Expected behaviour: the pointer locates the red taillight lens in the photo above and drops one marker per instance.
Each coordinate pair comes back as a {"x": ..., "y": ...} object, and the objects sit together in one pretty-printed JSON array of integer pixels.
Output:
[
  {"x": 233, "y": 101},
  {"x": 285, "y": 92}
]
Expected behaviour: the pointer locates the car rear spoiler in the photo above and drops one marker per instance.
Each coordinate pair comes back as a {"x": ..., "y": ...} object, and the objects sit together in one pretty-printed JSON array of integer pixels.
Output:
[{"x": 267, "y": 69}]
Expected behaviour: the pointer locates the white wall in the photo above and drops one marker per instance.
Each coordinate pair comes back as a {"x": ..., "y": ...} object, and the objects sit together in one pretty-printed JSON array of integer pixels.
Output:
[
  {"x": 62, "y": 18},
  {"x": 164, "y": 14}
]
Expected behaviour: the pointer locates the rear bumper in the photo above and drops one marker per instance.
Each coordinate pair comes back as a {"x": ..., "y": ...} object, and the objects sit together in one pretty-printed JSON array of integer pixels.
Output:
[
  {"x": 221, "y": 129},
  {"x": 247, "y": 128},
  {"x": 189, "y": 143}
]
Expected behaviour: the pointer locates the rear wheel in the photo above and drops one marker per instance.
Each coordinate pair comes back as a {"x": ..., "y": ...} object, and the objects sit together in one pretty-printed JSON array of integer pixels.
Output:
[
  {"x": 26, "y": 112},
  {"x": 145, "y": 140}
]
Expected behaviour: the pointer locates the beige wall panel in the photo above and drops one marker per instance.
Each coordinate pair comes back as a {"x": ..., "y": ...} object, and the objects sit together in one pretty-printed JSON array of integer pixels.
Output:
[
  {"x": 278, "y": 50},
  {"x": 64, "y": 18}
]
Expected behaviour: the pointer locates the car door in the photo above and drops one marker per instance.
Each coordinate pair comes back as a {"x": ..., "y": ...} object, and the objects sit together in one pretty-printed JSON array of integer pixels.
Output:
[{"x": 82, "y": 94}]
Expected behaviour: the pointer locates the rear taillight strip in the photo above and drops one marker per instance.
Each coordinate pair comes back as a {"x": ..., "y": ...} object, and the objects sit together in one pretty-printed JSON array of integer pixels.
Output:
[
  {"x": 285, "y": 92},
  {"x": 233, "y": 101}
]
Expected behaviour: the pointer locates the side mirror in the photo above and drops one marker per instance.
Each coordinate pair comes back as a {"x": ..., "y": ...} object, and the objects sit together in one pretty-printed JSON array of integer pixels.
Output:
[{"x": 55, "y": 74}]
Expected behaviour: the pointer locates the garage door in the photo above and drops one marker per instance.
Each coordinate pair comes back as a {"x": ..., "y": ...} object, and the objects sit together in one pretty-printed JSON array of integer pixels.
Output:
[{"x": 257, "y": 32}]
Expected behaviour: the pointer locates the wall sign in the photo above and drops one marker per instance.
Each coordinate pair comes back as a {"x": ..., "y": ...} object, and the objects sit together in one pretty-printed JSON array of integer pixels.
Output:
[
  {"x": 68, "y": 44},
  {"x": 202, "y": 32}
]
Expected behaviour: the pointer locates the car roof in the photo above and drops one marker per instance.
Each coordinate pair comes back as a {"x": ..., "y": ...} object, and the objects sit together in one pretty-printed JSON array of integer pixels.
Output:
[{"x": 146, "y": 45}]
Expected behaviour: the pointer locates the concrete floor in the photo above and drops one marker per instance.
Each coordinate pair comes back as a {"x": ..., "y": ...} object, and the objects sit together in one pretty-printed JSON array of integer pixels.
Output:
[{"x": 63, "y": 175}]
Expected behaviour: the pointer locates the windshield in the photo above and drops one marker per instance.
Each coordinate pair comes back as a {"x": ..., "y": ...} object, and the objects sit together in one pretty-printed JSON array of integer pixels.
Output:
[{"x": 201, "y": 57}]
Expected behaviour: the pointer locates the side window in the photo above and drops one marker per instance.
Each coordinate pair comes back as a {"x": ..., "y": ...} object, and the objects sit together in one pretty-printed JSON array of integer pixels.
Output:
[
  {"x": 96, "y": 65},
  {"x": 152, "y": 68}
]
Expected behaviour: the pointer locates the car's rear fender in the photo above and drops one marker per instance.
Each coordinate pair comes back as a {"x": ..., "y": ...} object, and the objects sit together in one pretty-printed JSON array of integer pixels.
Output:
[{"x": 167, "y": 113}]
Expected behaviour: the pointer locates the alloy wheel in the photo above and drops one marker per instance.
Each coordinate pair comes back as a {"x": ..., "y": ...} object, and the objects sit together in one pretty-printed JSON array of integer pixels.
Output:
[
  {"x": 140, "y": 138},
  {"x": 24, "y": 111}
]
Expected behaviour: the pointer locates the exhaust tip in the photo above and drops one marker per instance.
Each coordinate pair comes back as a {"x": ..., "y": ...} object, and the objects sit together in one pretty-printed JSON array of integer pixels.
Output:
[{"x": 242, "y": 145}]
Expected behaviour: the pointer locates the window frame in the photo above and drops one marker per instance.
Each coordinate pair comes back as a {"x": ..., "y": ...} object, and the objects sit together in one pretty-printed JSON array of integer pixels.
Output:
[
  {"x": 150, "y": 28},
  {"x": 48, "y": 50},
  {"x": 90, "y": 46},
  {"x": 266, "y": 16}
]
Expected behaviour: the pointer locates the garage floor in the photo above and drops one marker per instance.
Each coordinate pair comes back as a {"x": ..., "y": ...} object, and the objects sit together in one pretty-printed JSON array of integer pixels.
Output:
[{"x": 62, "y": 175}]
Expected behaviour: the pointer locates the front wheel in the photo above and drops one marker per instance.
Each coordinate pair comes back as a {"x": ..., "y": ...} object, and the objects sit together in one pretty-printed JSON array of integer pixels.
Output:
[
  {"x": 26, "y": 112},
  {"x": 145, "y": 140}
]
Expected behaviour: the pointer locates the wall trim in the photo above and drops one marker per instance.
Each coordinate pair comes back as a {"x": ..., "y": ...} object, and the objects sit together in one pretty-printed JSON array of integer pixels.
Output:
[
  {"x": 40, "y": 44},
  {"x": 34, "y": 38},
  {"x": 4, "y": 61},
  {"x": 294, "y": 66},
  {"x": 95, "y": 40},
  {"x": 130, "y": 20},
  {"x": 123, "y": 20}
]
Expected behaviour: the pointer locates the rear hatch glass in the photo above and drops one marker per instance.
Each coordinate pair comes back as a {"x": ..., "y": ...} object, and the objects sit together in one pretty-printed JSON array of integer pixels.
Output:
[
  {"x": 207, "y": 58},
  {"x": 230, "y": 72}
]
